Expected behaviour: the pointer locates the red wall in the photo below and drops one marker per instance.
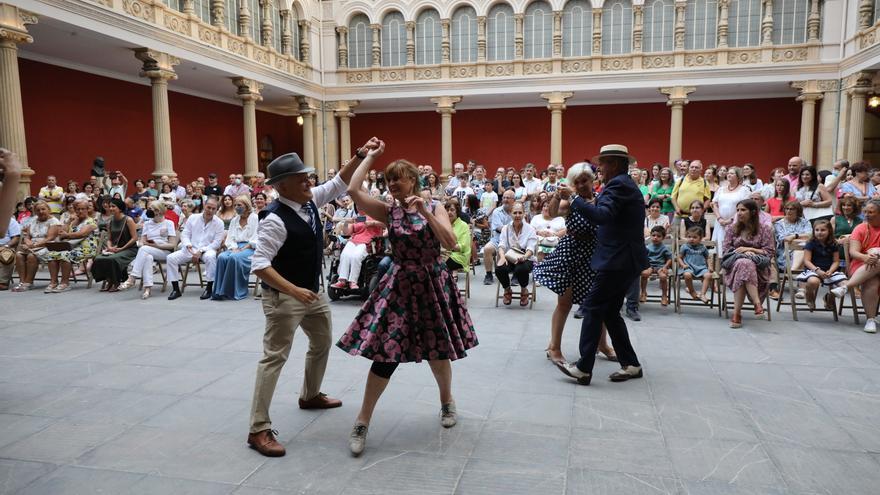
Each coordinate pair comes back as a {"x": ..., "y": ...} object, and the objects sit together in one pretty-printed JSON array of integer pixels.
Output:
[
  {"x": 71, "y": 117},
  {"x": 763, "y": 131}
]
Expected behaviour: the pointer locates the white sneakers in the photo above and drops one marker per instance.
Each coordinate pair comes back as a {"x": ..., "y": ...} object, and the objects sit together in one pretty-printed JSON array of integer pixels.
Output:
[
  {"x": 448, "y": 415},
  {"x": 839, "y": 291},
  {"x": 358, "y": 439},
  {"x": 871, "y": 326}
]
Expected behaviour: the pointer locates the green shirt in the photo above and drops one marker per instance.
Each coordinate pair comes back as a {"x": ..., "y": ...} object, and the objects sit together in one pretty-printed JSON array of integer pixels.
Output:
[
  {"x": 462, "y": 255},
  {"x": 666, "y": 207}
]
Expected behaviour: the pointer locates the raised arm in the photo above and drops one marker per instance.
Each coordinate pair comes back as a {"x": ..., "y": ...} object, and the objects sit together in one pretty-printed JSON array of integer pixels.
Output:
[{"x": 369, "y": 205}]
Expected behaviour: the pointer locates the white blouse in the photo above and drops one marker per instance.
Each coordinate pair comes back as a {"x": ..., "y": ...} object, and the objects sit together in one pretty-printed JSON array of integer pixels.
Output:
[
  {"x": 527, "y": 240},
  {"x": 237, "y": 233},
  {"x": 159, "y": 232}
]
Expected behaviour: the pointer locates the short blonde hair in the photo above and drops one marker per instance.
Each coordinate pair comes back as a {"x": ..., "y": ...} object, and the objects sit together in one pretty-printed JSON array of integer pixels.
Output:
[
  {"x": 577, "y": 170},
  {"x": 246, "y": 199}
]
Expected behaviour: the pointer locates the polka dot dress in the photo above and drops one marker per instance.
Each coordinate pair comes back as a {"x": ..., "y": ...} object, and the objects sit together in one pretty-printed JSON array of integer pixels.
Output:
[{"x": 569, "y": 264}]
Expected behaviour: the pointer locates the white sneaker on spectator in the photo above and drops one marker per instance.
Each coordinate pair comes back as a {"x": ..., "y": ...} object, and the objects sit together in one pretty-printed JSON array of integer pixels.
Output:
[
  {"x": 871, "y": 326},
  {"x": 839, "y": 291},
  {"x": 801, "y": 294}
]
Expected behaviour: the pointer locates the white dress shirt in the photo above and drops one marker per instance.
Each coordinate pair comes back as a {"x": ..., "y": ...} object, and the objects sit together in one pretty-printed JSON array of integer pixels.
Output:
[
  {"x": 237, "y": 233},
  {"x": 527, "y": 240},
  {"x": 271, "y": 233},
  {"x": 158, "y": 232},
  {"x": 202, "y": 236},
  {"x": 532, "y": 185}
]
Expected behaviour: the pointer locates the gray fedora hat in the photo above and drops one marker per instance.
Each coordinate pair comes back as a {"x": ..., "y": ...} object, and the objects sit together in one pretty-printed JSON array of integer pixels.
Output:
[{"x": 285, "y": 166}]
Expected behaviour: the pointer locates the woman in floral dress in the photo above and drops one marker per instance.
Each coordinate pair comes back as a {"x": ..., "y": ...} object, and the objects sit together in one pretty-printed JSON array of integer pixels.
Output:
[
  {"x": 82, "y": 233},
  {"x": 416, "y": 312}
]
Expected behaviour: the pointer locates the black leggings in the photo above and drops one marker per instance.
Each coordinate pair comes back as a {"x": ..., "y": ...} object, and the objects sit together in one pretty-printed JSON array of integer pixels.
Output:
[
  {"x": 453, "y": 265},
  {"x": 520, "y": 271},
  {"x": 383, "y": 370}
]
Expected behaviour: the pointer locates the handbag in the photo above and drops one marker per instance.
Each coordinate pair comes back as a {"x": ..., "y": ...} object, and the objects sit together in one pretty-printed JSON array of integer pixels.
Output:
[
  {"x": 812, "y": 213},
  {"x": 549, "y": 241},
  {"x": 7, "y": 256},
  {"x": 761, "y": 261},
  {"x": 513, "y": 254}
]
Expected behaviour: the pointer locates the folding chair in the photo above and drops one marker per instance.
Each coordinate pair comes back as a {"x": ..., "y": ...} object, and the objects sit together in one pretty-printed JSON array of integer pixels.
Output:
[
  {"x": 854, "y": 301},
  {"x": 184, "y": 273},
  {"x": 466, "y": 291},
  {"x": 158, "y": 264},
  {"x": 672, "y": 244},
  {"x": 516, "y": 293},
  {"x": 747, "y": 304},
  {"x": 793, "y": 268},
  {"x": 679, "y": 280}
]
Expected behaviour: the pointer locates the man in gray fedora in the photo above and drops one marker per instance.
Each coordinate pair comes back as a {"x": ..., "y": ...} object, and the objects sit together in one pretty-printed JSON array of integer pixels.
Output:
[{"x": 288, "y": 261}]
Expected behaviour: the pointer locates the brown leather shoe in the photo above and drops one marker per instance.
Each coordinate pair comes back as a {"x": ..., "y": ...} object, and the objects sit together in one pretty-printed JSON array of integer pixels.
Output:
[
  {"x": 320, "y": 401},
  {"x": 264, "y": 442}
]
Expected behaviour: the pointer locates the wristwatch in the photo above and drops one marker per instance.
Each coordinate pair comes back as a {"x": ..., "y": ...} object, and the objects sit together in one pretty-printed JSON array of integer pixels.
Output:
[{"x": 360, "y": 153}]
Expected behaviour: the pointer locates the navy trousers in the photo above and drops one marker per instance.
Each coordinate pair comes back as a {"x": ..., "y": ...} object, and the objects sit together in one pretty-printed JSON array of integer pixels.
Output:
[{"x": 602, "y": 305}]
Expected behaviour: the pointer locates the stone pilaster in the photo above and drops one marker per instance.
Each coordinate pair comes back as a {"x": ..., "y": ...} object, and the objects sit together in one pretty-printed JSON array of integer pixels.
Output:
[
  {"x": 446, "y": 107},
  {"x": 866, "y": 14},
  {"x": 597, "y": 32},
  {"x": 827, "y": 135},
  {"x": 249, "y": 94},
  {"x": 410, "y": 43},
  {"x": 188, "y": 7},
  {"x": 556, "y": 105},
  {"x": 557, "y": 33},
  {"x": 307, "y": 112},
  {"x": 319, "y": 144},
  {"x": 861, "y": 86},
  {"x": 444, "y": 41},
  {"x": 286, "y": 35},
  {"x": 638, "y": 27},
  {"x": 13, "y": 32},
  {"x": 680, "y": 7},
  {"x": 481, "y": 38},
  {"x": 723, "y": 26},
  {"x": 266, "y": 24},
  {"x": 305, "y": 41},
  {"x": 377, "y": 47},
  {"x": 342, "y": 47},
  {"x": 813, "y": 23},
  {"x": 244, "y": 20},
  {"x": 331, "y": 138},
  {"x": 676, "y": 102},
  {"x": 767, "y": 24},
  {"x": 344, "y": 113},
  {"x": 518, "y": 36},
  {"x": 218, "y": 13},
  {"x": 809, "y": 95},
  {"x": 159, "y": 68}
]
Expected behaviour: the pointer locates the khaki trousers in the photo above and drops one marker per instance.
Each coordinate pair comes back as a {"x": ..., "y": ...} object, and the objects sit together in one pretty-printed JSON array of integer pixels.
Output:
[{"x": 283, "y": 315}]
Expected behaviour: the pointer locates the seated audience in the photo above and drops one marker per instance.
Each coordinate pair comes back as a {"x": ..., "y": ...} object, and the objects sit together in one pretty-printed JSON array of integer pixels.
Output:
[
  {"x": 82, "y": 238},
  {"x": 747, "y": 255},
  {"x": 362, "y": 233},
  {"x": 498, "y": 218},
  {"x": 227, "y": 211},
  {"x": 864, "y": 257},
  {"x": 859, "y": 187},
  {"x": 234, "y": 264},
  {"x": 111, "y": 266},
  {"x": 460, "y": 257},
  {"x": 8, "y": 245},
  {"x": 821, "y": 264},
  {"x": 655, "y": 217},
  {"x": 549, "y": 230},
  {"x": 158, "y": 240},
  {"x": 693, "y": 259},
  {"x": 516, "y": 253},
  {"x": 697, "y": 218},
  {"x": 44, "y": 228},
  {"x": 790, "y": 227},
  {"x": 813, "y": 197},
  {"x": 200, "y": 238},
  {"x": 659, "y": 261}
]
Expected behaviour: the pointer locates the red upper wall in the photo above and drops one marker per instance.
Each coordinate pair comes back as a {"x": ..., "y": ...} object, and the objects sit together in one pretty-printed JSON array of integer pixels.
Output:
[
  {"x": 414, "y": 136},
  {"x": 71, "y": 117}
]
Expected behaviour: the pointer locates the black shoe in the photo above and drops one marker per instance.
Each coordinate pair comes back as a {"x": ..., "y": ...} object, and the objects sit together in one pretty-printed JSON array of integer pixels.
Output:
[
  {"x": 174, "y": 295},
  {"x": 206, "y": 294},
  {"x": 579, "y": 314},
  {"x": 489, "y": 280},
  {"x": 633, "y": 314}
]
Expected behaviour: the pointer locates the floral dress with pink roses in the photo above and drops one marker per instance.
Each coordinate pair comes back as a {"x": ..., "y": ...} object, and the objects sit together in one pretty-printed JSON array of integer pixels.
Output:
[{"x": 416, "y": 311}]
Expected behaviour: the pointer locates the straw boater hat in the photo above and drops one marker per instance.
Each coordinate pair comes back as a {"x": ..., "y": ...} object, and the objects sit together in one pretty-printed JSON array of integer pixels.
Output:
[{"x": 614, "y": 150}]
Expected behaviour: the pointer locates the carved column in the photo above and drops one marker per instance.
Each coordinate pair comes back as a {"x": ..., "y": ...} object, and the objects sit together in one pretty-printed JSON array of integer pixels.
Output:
[
  {"x": 244, "y": 20},
  {"x": 638, "y": 27},
  {"x": 218, "y": 14},
  {"x": 444, "y": 41},
  {"x": 331, "y": 159},
  {"x": 266, "y": 24},
  {"x": 858, "y": 92},
  {"x": 342, "y": 47},
  {"x": 286, "y": 35},
  {"x": 305, "y": 41},
  {"x": 809, "y": 95},
  {"x": 159, "y": 67},
  {"x": 188, "y": 7},
  {"x": 597, "y": 32},
  {"x": 320, "y": 147},
  {"x": 307, "y": 112},
  {"x": 557, "y": 33},
  {"x": 556, "y": 104},
  {"x": 410, "y": 43},
  {"x": 249, "y": 94},
  {"x": 813, "y": 22},
  {"x": 13, "y": 32},
  {"x": 724, "y": 9},
  {"x": 866, "y": 14},
  {"x": 377, "y": 47},
  {"x": 518, "y": 36},
  {"x": 767, "y": 24},
  {"x": 446, "y": 107},
  {"x": 679, "y": 24},
  {"x": 828, "y": 114},
  {"x": 677, "y": 100},
  {"x": 481, "y": 38},
  {"x": 344, "y": 113}
]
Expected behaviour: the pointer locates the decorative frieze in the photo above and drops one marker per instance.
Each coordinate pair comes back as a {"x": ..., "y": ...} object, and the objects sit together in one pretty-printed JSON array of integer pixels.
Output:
[
  {"x": 743, "y": 57},
  {"x": 463, "y": 71},
  {"x": 700, "y": 59},
  {"x": 139, "y": 9},
  {"x": 538, "y": 68},
  {"x": 209, "y": 36},
  {"x": 392, "y": 75},
  {"x": 176, "y": 22},
  {"x": 617, "y": 63},
  {"x": 359, "y": 76},
  {"x": 427, "y": 73},
  {"x": 789, "y": 54},
  {"x": 499, "y": 70},
  {"x": 570, "y": 66},
  {"x": 658, "y": 62}
]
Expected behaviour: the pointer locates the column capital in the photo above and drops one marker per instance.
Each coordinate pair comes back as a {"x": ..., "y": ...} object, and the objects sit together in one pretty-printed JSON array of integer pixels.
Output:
[
  {"x": 859, "y": 83},
  {"x": 344, "y": 108},
  {"x": 677, "y": 94},
  {"x": 306, "y": 105},
  {"x": 342, "y": 29},
  {"x": 248, "y": 89},
  {"x": 157, "y": 65},
  {"x": 556, "y": 99},
  {"x": 809, "y": 90},
  {"x": 446, "y": 104},
  {"x": 14, "y": 22}
]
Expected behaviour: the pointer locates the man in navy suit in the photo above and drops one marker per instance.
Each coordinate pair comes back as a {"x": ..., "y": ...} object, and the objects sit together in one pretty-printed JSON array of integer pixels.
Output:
[{"x": 619, "y": 257}]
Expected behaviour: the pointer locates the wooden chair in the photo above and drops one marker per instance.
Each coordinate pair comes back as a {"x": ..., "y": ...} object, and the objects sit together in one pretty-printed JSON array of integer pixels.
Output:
[
  {"x": 854, "y": 301},
  {"x": 672, "y": 244},
  {"x": 516, "y": 293},
  {"x": 161, "y": 268},
  {"x": 466, "y": 291},
  {"x": 184, "y": 273},
  {"x": 679, "y": 280},
  {"x": 747, "y": 305},
  {"x": 787, "y": 277}
]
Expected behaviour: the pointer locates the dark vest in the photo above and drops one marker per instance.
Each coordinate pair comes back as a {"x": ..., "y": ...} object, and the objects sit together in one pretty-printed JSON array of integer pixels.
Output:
[{"x": 299, "y": 259}]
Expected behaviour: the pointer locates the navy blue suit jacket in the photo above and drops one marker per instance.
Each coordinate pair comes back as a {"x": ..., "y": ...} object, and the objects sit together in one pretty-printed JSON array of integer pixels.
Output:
[{"x": 619, "y": 213}]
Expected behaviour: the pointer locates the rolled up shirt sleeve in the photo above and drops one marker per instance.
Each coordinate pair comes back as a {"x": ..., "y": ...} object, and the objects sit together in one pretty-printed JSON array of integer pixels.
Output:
[
  {"x": 328, "y": 191},
  {"x": 271, "y": 235}
]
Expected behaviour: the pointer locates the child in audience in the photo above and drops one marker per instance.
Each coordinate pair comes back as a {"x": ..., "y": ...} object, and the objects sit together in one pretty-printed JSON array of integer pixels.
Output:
[
  {"x": 693, "y": 258},
  {"x": 660, "y": 260},
  {"x": 821, "y": 263}
]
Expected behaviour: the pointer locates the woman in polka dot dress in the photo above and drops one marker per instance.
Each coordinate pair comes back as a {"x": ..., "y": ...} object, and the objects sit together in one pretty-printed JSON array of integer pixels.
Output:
[{"x": 566, "y": 271}]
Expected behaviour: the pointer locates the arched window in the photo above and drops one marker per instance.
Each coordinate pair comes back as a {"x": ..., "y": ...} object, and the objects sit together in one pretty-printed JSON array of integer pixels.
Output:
[
  {"x": 499, "y": 32},
  {"x": 701, "y": 24},
  {"x": 790, "y": 21},
  {"x": 294, "y": 34},
  {"x": 538, "y": 30},
  {"x": 659, "y": 26},
  {"x": 744, "y": 23},
  {"x": 577, "y": 28},
  {"x": 393, "y": 40},
  {"x": 428, "y": 37},
  {"x": 464, "y": 35},
  {"x": 360, "y": 42},
  {"x": 617, "y": 24}
]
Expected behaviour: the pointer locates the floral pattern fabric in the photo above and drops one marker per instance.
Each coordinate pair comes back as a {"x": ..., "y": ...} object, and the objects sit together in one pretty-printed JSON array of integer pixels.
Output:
[{"x": 416, "y": 311}]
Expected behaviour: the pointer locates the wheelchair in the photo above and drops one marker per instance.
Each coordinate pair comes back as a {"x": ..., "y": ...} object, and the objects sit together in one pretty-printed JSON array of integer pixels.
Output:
[{"x": 368, "y": 278}]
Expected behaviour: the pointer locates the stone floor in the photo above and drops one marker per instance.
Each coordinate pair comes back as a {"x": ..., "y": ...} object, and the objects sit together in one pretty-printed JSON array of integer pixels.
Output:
[{"x": 109, "y": 394}]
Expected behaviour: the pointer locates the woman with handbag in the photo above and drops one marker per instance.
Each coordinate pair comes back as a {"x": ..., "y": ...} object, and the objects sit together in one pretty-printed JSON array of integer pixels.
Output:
[
  {"x": 121, "y": 248},
  {"x": 516, "y": 255},
  {"x": 158, "y": 240},
  {"x": 549, "y": 229},
  {"x": 81, "y": 239},
  {"x": 748, "y": 251},
  {"x": 43, "y": 229},
  {"x": 813, "y": 196}
]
